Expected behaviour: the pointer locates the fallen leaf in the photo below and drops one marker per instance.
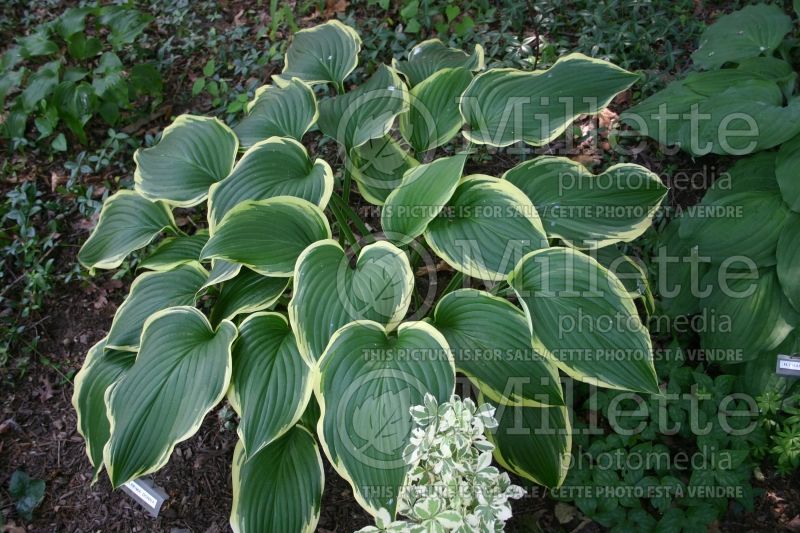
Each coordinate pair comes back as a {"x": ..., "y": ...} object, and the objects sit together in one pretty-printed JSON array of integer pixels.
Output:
[{"x": 565, "y": 513}]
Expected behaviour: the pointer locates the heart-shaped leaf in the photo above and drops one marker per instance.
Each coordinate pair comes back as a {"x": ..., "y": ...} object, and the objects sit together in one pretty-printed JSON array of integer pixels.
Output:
[
  {"x": 486, "y": 228},
  {"x": 431, "y": 56},
  {"x": 193, "y": 154},
  {"x": 278, "y": 111},
  {"x": 368, "y": 382},
  {"x": 293, "y": 224},
  {"x": 328, "y": 293},
  {"x": 274, "y": 167},
  {"x": 587, "y": 210},
  {"x": 175, "y": 251},
  {"x": 127, "y": 222},
  {"x": 325, "y": 53},
  {"x": 378, "y": 166},
  {"x": 248, "y": 292}
]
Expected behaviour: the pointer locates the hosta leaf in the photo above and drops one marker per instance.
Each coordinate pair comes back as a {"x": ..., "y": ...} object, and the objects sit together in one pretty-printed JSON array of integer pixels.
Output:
[
  {"x": 100, "y": 369},
  {"x": 378, "y": 166},
  {"x": 328, "y": 293},
  {"x": 268, "y": 235},
  {"x": 679, "y": 272},
  {"x": 364, "y": 113},
  {"x": 788, "y": 173},
  {"x": 433, "y": 117},
  {"x": 286, "y": 111},
  {"x": 222, "y": 271},
  {"x": 733, "y": 225},
  {"x": 487, "y": 226},
  {"x": 751, "y": 316},
  {"x": 491, "y": 344},
  {"x": 503, "y": 106},
  {"x": 533, "y": 442},
  {"x": 325, "y": 53},
  {"x": 271, "y": 384},
  {"x": 246, "y": 293},
  {"x": 181, "y": 372},
  {"x": 152, "y": 292},
  {"x": 273, "y": 167},
  {"x": 749, "y": 32},
  {"x": 193, "y": 154},
  {"x": 280, "y": 488},
  {"x": 631, "y": 272},
  {"x": 127, "y": 222},
  {"x": 422, "y": 194},
  {"x": 431, "y": 56},
  {"x": 788, "y": 258},
  {"x": 369, "y": 380},
  {"x": 583, "y": 318},
  {"x": 587, "y": 210},
  {"x": 176, "y": 251}
]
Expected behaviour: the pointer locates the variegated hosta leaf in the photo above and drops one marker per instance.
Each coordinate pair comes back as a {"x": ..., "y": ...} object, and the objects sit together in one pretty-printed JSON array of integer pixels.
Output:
[
  {"x": 369, "y": 380},
  {"x": 271, "y": 384},
  {"x": 328, "y": 293},
  {"x": 100, "y": 369},
  {"x": 280, "y": 488},
  {"x": 533, "y": 442},
  {"x": 787, "y": 171},
  {"x": 152, "y": 292},
  {"x": 749, "y": 32},
  {"x": 679, "y": 270},
  {"x": 181, "y": 372},
  {"x": 274, "y": 167},
  {"x": 193, "y": 154},
  {"x": 789, "y": 259},
  {"x": 248, "y": 292},
  {"x": 582, "y": 316},
  {"x": 431, "y": 56},
  {"x": 491, "y": 344},
  {"x": 378, "y": 166},
  {"x": 364, "y": 113},
  {"x": 175, "y": 251},
  {"x": 486, "y": 228},
  {"x": 433, "y": 117},
  {"x": 221, "y": 271},
  {"x": 750, "y": 315},
  {"x": 268, "y": 235},
  {"x": 422, "y": 194},
  {"x": 632, "y": 272},
  {"x": 325, "y": 53},
  {"x": 587, "y": 210},
  {"x": 127, "y": 222},
  {"x": 503, "y": 106},
  {"x": 286, "y": 111}
]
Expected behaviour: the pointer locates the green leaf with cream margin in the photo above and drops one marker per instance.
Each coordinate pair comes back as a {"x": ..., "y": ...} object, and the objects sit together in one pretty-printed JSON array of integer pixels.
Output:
[
  {"x": 127, "y": 222},
  {"x": 422, "y": 194},
  {"x": 787, "y": 170},
  {"x": 193, "y": 154},
  {"x": 181, "y": 372},
  {"x": 273, "y": 167},
  {"x": 582, "y": 317},
  {"x": 587, "y": 210},
  {"x": 433, "y": 117},
  {"x": 278, "y": 111},
  {"x": 176, "y": 251},
  {"x": 750, "y": 32},
  {"x": 378, "y": 166},
  {"x": 280, "y": 488},
  {"x": 368, "y": 381},
  {"x": 328, "y": 293},
  {"x": 366, "y": 112},
  {"x": 268, "y": 235},
  {"x": 533, "y": 442},
  {"x": 247, "y": 292},
  {"x": 504, "y": 106},
  {"x": 486, "y": 228},
  {"x": 271, "y": 383},
  {"x": 789, "y": 259},
  {"x": 431, "y": 56},
  {"x": 152, "y": 292},
  {"x": 491, "y": 345},
  {"x": 100, "y": 370},
  {"x": 326, "y": 53}
]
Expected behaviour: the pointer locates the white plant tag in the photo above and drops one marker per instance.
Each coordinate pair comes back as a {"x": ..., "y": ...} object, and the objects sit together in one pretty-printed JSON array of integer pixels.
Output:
[
  {"x": 788, "y": 365},
  {"x": 146, "y": 494}
]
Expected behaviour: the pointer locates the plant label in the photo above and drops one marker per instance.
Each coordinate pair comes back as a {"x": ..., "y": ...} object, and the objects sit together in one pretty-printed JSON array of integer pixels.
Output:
[
  {"x": 788, "y": 365},
  {"x": 146, "y": 494}
]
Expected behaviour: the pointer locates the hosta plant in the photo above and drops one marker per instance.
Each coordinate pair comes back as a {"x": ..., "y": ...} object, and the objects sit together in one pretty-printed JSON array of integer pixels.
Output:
[{"x": 319, "y": 334}]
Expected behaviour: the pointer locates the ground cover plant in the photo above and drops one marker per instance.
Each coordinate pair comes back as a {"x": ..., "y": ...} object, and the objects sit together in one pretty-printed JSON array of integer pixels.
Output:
[{"x": 165, "y": 363}]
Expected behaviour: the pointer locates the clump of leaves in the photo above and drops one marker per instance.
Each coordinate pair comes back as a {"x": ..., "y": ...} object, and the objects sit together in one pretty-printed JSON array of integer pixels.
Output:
[
  {"x": 26, "y": 492},
  {"x": 780, "y": 418}
]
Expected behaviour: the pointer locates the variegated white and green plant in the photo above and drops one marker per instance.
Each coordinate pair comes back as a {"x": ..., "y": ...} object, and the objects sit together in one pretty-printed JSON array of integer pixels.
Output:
[{"x": 314, "y": 328}]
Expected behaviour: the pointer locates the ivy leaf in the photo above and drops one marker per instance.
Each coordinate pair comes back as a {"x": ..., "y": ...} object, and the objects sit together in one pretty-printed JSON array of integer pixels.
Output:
[{"x": 27, "y": 493}]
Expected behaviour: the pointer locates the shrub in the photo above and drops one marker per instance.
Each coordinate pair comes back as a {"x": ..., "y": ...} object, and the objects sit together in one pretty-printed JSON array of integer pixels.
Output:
[{"x": 347, "y": 335}]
